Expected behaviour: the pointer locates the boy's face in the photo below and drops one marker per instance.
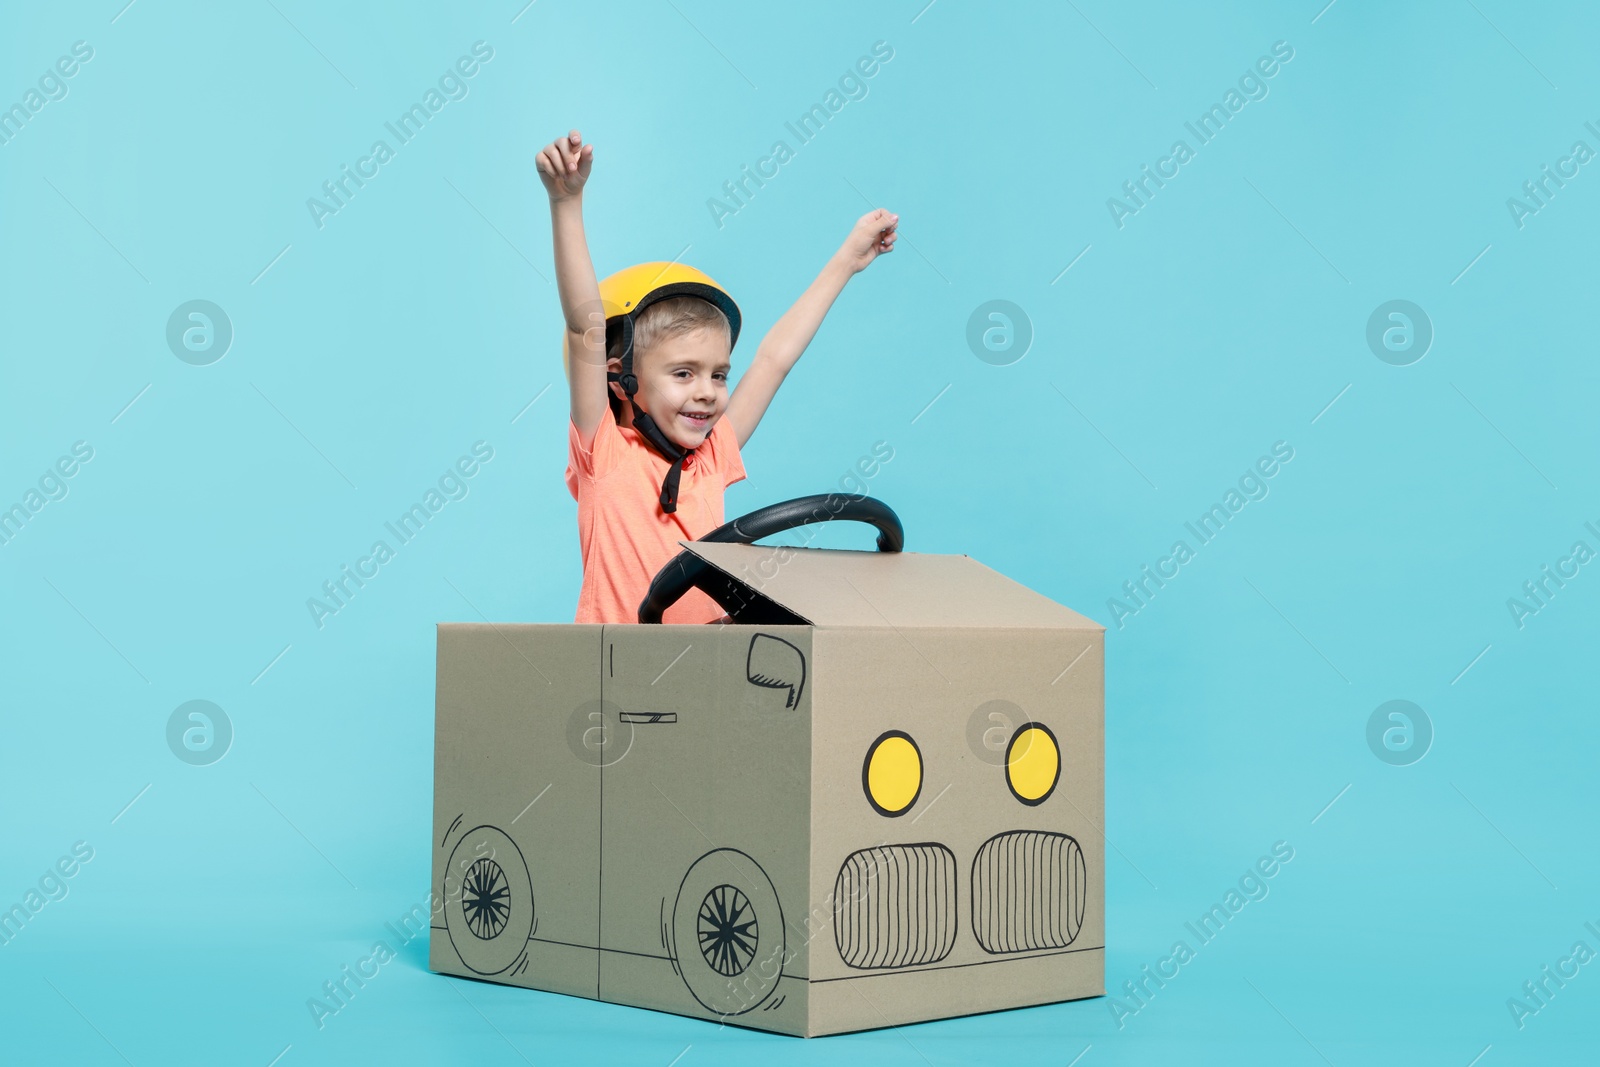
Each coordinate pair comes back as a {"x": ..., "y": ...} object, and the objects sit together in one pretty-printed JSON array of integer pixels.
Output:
[{"x": 683, "y": 384}]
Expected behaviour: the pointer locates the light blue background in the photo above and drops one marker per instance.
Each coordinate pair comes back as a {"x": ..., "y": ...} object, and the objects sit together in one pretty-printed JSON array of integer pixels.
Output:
[{"x": 1223, "y": 317}]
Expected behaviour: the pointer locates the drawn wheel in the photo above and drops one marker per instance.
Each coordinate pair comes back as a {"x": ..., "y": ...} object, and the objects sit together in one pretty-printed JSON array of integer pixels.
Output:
[
  {"x": 728, "y": 932},
  {"x": 488, "y": 900}
]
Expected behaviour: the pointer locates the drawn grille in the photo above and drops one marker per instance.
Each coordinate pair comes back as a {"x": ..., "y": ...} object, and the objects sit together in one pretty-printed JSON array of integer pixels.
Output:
[
  {"x": 895, "y": 906},
  {"x": 1028, "y": 890}
]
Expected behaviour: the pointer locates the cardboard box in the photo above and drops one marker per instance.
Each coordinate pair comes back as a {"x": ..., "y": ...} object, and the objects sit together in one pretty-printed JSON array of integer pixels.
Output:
[{"x": 843, "y": 821}]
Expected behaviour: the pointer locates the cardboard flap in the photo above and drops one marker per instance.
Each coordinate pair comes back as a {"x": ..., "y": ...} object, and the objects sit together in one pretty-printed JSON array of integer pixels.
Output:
[{"x": 840, "y": 587}]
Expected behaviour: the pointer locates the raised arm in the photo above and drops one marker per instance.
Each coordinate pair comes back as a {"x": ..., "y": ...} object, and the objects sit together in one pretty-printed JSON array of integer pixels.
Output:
[
  {"x": 564, "y": 167},
  {"x": 873, "y": 235}
]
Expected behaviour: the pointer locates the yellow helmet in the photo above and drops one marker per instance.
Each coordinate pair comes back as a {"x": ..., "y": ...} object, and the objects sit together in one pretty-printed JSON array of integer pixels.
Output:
[{"x": 630, "y": 290}]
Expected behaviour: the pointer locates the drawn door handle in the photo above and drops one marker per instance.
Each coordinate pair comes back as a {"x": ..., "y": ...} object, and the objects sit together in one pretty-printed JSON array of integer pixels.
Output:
[{"x": 647, "y": 717}]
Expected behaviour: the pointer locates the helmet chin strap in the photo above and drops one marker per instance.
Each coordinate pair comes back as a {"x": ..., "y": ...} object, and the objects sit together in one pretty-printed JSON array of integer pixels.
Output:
[{"x": 647, "y": 426}]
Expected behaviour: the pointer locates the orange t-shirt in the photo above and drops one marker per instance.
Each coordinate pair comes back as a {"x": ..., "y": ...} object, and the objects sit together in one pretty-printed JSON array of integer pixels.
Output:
[{"x": 624, "y": 536}]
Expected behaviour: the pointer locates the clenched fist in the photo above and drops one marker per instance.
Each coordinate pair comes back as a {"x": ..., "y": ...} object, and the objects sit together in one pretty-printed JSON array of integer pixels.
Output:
[{"x": 564, "y": 166}]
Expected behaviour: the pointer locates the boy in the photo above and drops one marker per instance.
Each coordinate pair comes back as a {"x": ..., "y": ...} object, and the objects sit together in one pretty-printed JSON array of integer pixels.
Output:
[{"x": 654, "y": 437}]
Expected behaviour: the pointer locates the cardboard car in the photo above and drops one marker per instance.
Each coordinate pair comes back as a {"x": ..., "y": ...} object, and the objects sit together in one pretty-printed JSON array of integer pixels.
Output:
[{"x": 873, "y": 797}]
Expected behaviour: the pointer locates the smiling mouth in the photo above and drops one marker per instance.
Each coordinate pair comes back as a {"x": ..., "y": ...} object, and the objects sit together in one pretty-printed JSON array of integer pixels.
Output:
[{"x": 696, "y": 418}]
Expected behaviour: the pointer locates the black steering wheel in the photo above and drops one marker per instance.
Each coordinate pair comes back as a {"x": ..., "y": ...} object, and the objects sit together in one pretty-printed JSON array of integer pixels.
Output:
[{"x": 687, "y": 571}]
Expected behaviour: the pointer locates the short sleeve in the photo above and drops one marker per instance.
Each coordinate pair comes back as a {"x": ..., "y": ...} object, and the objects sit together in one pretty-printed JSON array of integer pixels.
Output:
[
  {"x": 598, "y": 460},
  {"x": 723, "y": 445}
]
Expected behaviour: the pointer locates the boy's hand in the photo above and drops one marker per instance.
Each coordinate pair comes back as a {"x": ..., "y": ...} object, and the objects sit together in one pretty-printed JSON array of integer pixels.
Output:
[
  {"x": 564, "y": 166},
  {"x": 873, "y": 235}
]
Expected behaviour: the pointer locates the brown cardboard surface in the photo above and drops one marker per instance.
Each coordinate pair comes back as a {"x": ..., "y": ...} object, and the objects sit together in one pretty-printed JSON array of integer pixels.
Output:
[
  {"x": 859, "y": 1005},
  {"x": 706, "y": 809},
  {"x": 929, "y": 684},
  {"x": 509, "y": 796},
  {"x": 837, "y": 587},
  {"x": 680, "y": 817}
]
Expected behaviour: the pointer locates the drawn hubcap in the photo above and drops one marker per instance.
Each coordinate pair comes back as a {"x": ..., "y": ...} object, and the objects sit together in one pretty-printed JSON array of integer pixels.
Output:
[
  {"x": 728, "y": 931},
  {"x": 485, "y": 898}
]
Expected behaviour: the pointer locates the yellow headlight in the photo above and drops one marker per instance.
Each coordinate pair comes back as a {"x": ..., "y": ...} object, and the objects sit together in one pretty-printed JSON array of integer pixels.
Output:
[
  {"x": 1033, "y": 763},
  {"x": 892, "y": 773}
]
